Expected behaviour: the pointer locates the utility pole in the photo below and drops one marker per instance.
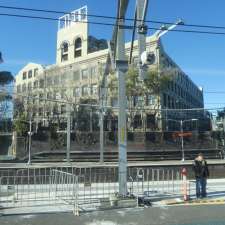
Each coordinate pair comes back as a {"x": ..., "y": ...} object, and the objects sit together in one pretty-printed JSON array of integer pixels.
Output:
[
  {"x": 141, "y": 7},
  {"x": 68, "y": 111},
  {"x": 121, "y": 68}
]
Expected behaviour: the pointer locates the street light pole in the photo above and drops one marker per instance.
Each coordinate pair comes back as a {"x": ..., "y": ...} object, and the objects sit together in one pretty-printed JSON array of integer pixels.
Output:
[
  {"x": 181, "y": 122},
  {"x": 29, "y": 147},
  {"x": 68, "y": 110},
  {"x": 101, "y": 120},
  {"x": 182, "y": 139}
]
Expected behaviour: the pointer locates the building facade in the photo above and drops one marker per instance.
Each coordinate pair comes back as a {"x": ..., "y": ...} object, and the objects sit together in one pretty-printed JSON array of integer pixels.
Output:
[{"x": 78, "y": 72}]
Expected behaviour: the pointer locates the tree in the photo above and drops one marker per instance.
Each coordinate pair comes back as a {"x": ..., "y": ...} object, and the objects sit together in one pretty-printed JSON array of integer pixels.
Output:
[
  {"x": 6, "y": 78},
  {"x": 5, "y": 95},
  {"x": 20, "y": 125},
  {"x": 154, "y": 84},
  {"x": 86, "y": 115}
]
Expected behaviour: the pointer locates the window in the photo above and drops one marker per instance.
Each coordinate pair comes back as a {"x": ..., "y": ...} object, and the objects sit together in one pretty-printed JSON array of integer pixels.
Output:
[
  {"x": 40, "y": 111},
  {"x": 64, "y": 51},
  {"x": 83, "y": 13},
  {"x": 76, "y": 92},
  {"x": 84, "y": 90},
  {"x": 84, "y": 74},
  {"x": 114, "y": 102},
  {"x": 35, "y": 84},
  {"x": 63, "y": 108},
  {"x": 35, "y": 72},
  {"x": 94, "y": 89},
  {"x": 151, "y": 100},
  {"x": 41, "y": 83},
  {"x": 18, "y": 88},
  {"x": 76, "y": 75},
  {"x": 77, "y": 48},
  {"x": 93, "y": 71},
  {"x": 24, "y": 88},
  {"x": 49, "y": 95},
  {"x": 76, "y": 16},
  {"x": 29, "y": 87},
  {"x": 24, "y": 75},
  {"x": 41, "y": 96},
  {"x": 29, "y": 73}
]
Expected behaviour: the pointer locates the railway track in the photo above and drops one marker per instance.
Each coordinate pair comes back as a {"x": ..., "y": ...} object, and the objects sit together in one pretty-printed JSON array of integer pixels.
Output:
[{"x": 112, "y": 156}]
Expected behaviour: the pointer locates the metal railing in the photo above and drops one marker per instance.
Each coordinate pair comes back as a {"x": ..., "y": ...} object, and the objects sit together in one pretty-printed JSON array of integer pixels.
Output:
[{"x": 82, "y": 189}]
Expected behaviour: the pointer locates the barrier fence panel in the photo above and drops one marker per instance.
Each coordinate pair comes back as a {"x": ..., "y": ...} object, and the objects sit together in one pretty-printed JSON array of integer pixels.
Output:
[
  {"x": 83, "y": 188},
  {"x": 35, "y": 188}
]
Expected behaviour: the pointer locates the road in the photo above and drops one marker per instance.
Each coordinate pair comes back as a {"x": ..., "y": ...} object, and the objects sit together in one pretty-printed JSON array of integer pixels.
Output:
[{"x": 182, "y": 215}]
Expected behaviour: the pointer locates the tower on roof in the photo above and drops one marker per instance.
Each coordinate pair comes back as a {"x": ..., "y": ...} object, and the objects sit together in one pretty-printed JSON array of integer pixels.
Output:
[{"x": 72, "y": 36}]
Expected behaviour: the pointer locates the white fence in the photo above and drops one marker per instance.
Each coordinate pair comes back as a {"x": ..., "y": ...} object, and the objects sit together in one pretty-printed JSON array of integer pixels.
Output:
[{"x": 81, "y": 189}]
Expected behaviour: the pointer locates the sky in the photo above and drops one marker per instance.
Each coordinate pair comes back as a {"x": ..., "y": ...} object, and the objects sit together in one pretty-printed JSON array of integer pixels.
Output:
[{"x": 200, "y": 56}]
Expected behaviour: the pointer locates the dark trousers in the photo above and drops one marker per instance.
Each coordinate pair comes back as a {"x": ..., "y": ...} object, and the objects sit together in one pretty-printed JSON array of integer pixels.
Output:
[{"x": 201, "y": 187}]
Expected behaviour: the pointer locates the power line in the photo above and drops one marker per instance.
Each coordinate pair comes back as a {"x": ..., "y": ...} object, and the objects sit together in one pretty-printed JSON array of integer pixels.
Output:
[
  {"x": 128, "y": 27},
  {"x": 110, "y": 17},
  {"x": 214, "y": 92}
]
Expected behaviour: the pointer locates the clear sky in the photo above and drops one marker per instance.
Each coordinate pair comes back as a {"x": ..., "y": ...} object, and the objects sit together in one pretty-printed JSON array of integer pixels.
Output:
[{"x": 202, "y": 57}]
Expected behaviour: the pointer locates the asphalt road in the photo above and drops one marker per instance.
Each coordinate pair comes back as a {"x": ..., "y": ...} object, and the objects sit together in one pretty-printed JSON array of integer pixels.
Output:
[{"x": 176, "y": 215}]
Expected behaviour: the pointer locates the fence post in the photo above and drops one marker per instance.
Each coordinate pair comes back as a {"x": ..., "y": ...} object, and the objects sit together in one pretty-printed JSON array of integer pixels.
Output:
[{"x": 184, "y": 185}]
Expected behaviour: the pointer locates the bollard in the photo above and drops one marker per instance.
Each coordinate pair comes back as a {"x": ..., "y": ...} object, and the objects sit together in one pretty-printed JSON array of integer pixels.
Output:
[{"x": 184, "y": 184}]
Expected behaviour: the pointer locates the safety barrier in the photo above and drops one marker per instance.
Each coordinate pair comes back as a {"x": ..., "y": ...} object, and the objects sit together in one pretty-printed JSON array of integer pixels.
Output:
[{"x": 83, "y": 189}]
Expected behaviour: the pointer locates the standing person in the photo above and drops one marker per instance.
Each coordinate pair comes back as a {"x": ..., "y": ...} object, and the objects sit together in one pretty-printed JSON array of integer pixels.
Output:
[{"x": 201, "y": 174}]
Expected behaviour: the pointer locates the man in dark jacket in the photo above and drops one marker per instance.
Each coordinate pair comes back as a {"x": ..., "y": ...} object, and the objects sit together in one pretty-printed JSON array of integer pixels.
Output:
[{"x": 201, "y": 174}]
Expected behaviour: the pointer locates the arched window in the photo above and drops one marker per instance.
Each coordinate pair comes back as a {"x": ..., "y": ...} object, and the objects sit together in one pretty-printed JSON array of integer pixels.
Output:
[
  {"x": 77, "y": 48},
  {"x": 64, "y": 51}
]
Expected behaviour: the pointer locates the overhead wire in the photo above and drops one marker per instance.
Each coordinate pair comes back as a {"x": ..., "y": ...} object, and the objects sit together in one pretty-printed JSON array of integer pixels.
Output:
[
  {"x": 129, "y": 27},
  {"x": 110, "y": 17}
]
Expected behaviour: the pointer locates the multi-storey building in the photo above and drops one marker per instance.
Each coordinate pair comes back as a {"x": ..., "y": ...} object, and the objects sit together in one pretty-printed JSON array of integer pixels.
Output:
[{"x": 80, "y": 62}]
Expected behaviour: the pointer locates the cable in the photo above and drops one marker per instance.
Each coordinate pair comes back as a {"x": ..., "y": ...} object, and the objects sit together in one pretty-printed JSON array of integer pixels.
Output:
[
  {"x": 129, "y": 27},
  {"x": 214, "y": 92},
  {"x": 110, "y": 17}
]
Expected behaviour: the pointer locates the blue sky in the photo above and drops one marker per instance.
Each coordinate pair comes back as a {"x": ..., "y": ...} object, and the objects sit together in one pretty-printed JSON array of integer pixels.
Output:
[{"x": 202, "y": 57}]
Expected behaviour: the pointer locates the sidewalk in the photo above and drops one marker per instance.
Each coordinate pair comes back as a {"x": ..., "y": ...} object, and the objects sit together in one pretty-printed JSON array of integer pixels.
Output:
[{"x": 215, "y": 195}]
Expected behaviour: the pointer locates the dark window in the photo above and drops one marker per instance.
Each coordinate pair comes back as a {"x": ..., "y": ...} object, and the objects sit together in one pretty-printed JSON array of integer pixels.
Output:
[
  {"x": 24, "y": 75},
  {"x": 64, "y": 51},
  {"x": 29, "y": 73},
  {"x": 35, "y": 84},
  {"x": 77, "y": 47},
  {"x": 84, "y": 74},
  {"x": 41, "y": 83}
]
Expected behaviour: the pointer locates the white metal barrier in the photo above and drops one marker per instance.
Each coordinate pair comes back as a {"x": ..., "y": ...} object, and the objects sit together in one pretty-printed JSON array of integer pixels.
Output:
[{"x": 83, "y": 188}]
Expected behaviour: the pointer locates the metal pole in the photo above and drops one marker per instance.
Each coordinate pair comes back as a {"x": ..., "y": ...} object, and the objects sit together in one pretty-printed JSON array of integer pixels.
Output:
[
  {"x": 29, "y": 148},
  {"x": 142, "y": 31},
  {"x": 68, "y": 110},
  {"x": 121, "y": 66},
  {"x": 101, "y": 120},
  {"x": 182, "y": 139},
  {"x": 91, "y": 126}
]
